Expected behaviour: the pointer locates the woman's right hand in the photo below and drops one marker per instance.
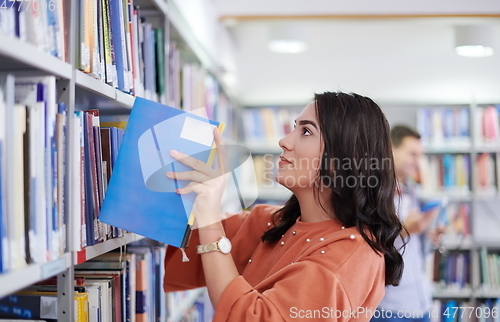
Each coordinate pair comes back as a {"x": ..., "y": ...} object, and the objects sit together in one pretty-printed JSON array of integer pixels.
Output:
[{"x": 209, "y": 184}]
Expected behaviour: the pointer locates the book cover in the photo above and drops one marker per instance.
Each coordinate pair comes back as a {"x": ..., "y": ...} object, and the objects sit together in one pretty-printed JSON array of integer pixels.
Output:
[
  {"x": 140, "y": 198},
  {"x": 105, "y": 298}
]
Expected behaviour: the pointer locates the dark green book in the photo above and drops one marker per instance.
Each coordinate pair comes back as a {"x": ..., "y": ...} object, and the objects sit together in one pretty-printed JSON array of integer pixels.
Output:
[{"x": 160, "y": 62}]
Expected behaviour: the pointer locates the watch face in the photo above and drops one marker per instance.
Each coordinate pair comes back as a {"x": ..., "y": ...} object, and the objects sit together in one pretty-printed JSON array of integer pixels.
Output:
[{"x": 225, "y": 245}]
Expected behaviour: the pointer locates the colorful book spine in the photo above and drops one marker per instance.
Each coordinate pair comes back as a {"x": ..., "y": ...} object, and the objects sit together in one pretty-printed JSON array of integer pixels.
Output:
[{"x": 445, "y": 173}]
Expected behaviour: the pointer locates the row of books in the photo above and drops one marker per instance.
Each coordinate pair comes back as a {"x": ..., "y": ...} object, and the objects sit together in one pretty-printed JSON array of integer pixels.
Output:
[
  {"x": 96, "y": 148},
  {"x": 451, "y": 271},
  {"x": 490, "y": 270},
  {"x": 121, "y": 48},
  {"x": 38, "y": 22},
  {"x": 464, "y": 311},
  {"x": 113, "y": 287},
  {"x": 451, "y": 173},
  {"x": 192, "y": 87},
  {"x": 267, "y": 125},
  {"x": 32, "y": 177},
  {"x": 487, "y": 126},
  {"x": 444, "y": 127},
  {"x": 445, "y": 173}
]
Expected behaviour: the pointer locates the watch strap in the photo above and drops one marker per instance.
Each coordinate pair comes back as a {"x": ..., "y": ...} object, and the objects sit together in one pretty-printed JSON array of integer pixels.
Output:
[{"x": 212, "y": 247}]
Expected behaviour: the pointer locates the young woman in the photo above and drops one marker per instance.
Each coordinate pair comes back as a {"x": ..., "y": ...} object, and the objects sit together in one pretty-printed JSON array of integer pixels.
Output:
[{"x": 329, "y": 252}]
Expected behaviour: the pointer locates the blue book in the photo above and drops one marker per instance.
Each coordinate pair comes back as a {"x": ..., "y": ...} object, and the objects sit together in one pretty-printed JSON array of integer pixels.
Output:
[
  {"x": 448, "y": 161},
  {"x": 115, "y": 8},
  {"x": 450, "y": 311},
  {"x": 140, "y": 198},
  {"x": 464, "y": 122}
]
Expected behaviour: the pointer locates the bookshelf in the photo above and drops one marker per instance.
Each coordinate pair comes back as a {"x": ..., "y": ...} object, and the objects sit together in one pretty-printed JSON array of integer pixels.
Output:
[
  {"x": 32, "y": 273},
  {"x": 91, "y": 252},
  {"x": 463, "y": 137},
  {"x": 82, "y": 91},
  {"x": 466, "y": 137},
  {"x": 261, "y": 129}
]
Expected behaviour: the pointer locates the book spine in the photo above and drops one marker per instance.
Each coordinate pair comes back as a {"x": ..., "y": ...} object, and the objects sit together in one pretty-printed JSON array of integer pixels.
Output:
[
  {"x": 160, "y": 63},
  {"x": 117, "y": 40}
]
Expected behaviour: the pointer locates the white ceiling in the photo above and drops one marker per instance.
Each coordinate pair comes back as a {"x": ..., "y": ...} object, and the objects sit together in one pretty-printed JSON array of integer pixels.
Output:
[{"x": 393, "y": 60}]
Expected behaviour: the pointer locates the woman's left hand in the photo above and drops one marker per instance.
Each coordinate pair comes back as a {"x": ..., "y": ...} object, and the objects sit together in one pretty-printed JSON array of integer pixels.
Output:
[{"x": 209, "y": 184}]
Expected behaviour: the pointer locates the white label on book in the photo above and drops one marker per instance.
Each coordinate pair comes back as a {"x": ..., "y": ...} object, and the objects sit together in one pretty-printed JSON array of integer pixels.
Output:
[{"x": 198, "y": 131}]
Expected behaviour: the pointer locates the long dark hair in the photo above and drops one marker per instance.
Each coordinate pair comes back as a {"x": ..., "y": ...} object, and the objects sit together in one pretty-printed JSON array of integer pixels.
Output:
[{"x": 354, "y": 129}]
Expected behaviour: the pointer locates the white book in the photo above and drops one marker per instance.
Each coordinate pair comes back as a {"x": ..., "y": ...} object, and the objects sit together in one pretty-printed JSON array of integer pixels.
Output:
[
  {"x": 61, "y": 30},
  {"x": 79, "y": 232},
  {"x": 106, "y": 297},
  {"x": 3, "y": 182},
  {"x": 7, "y": 20},
  {"x": 94, "y": 300},
  {"x": 53, "y": 236},
  {"x": 138, "y": 84},
  {"x": 37, "y": 239},
  {"x": 49, "y": 233},
  {"x": 26, "y": 95},
  {"x": 15, "y": 196}
]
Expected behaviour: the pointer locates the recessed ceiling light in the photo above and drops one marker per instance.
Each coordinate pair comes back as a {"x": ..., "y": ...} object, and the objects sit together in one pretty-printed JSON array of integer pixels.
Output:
[
  {"x": 474, "y": 51},
  {"x": 474, "y": 40},
  {"x": 288, "y": 37},
  {"x": 287, "y": 46}
]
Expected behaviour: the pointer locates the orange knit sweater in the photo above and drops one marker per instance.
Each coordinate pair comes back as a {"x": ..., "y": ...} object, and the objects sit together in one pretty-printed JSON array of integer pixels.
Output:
[{"x": 317, "y": 272}]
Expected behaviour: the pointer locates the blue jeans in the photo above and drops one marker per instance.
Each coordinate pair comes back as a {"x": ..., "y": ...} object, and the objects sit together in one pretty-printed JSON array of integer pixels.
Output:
[{"x": 392, "y": 316}]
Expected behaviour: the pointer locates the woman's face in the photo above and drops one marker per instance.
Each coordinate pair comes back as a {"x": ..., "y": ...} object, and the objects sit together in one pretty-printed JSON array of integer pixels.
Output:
[{"x": 302, "y": 149}]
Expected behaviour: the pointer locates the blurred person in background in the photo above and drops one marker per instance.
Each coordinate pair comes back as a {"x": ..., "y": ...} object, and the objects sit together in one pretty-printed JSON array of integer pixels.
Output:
[{"x": 411, "y": 300}]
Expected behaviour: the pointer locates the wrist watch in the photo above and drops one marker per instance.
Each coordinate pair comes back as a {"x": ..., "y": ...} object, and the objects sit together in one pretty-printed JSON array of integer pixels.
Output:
[{"x": 223, "y": 245}]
